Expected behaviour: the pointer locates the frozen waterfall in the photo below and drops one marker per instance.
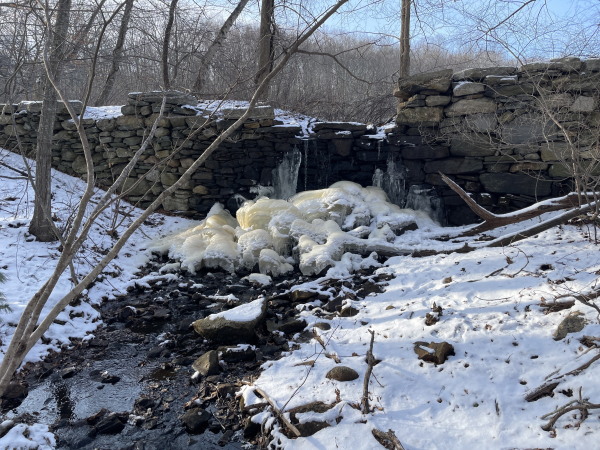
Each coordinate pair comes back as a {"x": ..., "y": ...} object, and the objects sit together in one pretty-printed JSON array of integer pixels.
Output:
[
  {"x": 285, "y": 176},
  {"x": 392, "y": 181}
]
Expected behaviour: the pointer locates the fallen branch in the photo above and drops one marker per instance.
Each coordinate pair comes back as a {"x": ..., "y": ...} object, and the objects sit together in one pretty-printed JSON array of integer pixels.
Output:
[
  {"x": 370, "y": 362},
  {"x": 389, "y": 437},
  {"x": 581, "y": 405},
  {"x": 492, "y": 221},
  {"x": 20, "y": 172},
  {"x": 287, "y": 423}
]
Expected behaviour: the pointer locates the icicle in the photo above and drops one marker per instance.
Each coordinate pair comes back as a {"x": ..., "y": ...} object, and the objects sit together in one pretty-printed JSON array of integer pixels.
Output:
[
  {"x": 285, "y": 176},
  {"x": 378, "y": 178},
  {"x": 392, "y": 181},
  {"x": 306, "y": 165}
]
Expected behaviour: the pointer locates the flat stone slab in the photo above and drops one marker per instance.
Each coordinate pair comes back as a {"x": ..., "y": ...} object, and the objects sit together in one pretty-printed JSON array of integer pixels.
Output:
[
  {"x": 349, "y": 126},
  {"x": 259, "y": 112},
  {"x": 173, "y": 97}
]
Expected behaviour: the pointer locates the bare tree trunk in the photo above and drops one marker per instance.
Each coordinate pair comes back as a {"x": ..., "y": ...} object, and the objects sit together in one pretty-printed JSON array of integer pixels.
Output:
[
  {"x": 117, "y": 56},
  {"x": 40, "y": 227},
  {"x": 165, "y": 49},
  {"x": 405, "y": 39},
  {"x": 206, "y": 60},
  {"x": 265, "y": 44}
]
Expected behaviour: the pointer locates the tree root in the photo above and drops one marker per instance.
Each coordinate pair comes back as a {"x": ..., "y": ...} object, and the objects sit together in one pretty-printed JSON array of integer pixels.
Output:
[{"x": 388, "y": 440}]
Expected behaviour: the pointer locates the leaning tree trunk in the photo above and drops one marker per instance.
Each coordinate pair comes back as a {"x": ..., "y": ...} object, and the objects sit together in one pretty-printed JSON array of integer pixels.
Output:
[
  {"x": 405, "y": 39},
  {"x": 265, "y": 44},
  {"x": 206, "y": 60},
  {"x": 165, "y": 49},
  {"x": 117, "y": 56},
  {"x": 40, "y": 226}
]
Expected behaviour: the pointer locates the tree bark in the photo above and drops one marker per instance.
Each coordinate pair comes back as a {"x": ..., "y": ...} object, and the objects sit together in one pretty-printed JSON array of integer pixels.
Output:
[
  {"x": 265, "y": 44},
  {"x": 40, "y": 226},
  {"x": 206, "y": 60},
  {"x": 165, "y": 49},
  {"x": 405, "y": 39},
  {"x": 117, "y": 56}
]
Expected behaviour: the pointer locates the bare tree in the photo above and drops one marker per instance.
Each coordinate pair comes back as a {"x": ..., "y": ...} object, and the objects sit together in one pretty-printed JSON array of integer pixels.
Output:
[
  {"x": 165, "y": 47},
  {"x": 405, "y": 39},
  {"x": 40, "y": 226},
  {"x": 206, "y": 60},
  {"x": 265, "y": 42},
  {"x": 117, "y": 56}
]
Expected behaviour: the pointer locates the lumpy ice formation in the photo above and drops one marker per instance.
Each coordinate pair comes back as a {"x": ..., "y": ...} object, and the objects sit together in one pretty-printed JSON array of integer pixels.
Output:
[{"x": 314, "y": 229}]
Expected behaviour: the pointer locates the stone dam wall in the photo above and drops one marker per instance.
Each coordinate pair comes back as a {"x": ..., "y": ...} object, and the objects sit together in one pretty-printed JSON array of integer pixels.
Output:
[{"x": 488, "y": 129}]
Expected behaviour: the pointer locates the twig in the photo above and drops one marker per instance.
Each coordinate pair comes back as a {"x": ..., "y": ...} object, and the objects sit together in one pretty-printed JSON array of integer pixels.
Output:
[
  {"x": 390, "y": 437},
  {"x": 581, "y": 405},
  {"x": 287, "y": 423},
  {"x": 370, "y": 360}
]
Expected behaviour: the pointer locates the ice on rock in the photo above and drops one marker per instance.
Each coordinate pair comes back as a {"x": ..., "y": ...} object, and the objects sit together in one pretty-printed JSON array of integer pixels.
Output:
[
  {"x": 251, "y": 243},
  {"x": 320, "y": 226},
  {"x": 270, "y": 262}
]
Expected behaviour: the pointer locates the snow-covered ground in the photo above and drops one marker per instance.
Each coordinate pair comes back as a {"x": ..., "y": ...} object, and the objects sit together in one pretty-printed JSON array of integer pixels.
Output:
[
  {"x": 503, "y": 349},
  {"x": 28, "y": 263}
]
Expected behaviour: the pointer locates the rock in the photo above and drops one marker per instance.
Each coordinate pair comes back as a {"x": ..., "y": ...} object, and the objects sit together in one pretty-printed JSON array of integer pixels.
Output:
[
  {"x": 5, "y": 427},
  {"x": 583, "y": 104},
  {"x": 470, "y": 106},
  {"x": 524, "y": 166},
  {"x": 591, "y": 65},
  {"x": 322, "y": 326},
  {"x": 479, "y": 74},
  {"x": 437, "y": 100},
  {"x": 68, "y": 372},
  {"x": 176, "y": 204},
  {"x": 505, "y": 183},
  {"x": 207, "y": 364},
  {"x": 511, "y": 90},
  {"x": 130, "y": 122},
  {"x": 259, "y": 112},
  {"x": 15, "y": 391},
  {"x": 483, "y": 123},
  {"x": 425, "y": 152},
  {"x": 236, "y": 354},
  {"x": 195, "y": 419},
  {"x": 140, "y": 189},
  {"x": 342, "y": 147},
  {"x": 434, "y": 81},
  {"x": 349, "y": 126},
  {"x": 573, "y": 323},
  {"x": 348, "y": 311},
  {"x": 173, "y": 97},
  {"x": 79, "y": 165},
  {"x": 438, "y": 355},
  {"x": 300, "y": 295},
  {"x": 454, "y": 166},
  {"x": 473, "y": 144},
  {"x": 291, "y": 326},
  {"x": 342, "y": 373},
  {"x": 154, "y": 352},
  {"x": 251, "y": 429},
  {"x": 234, "y": 326},
  {"x": 110, "y": 425},
  {"x": 427, "y": 116},
  {"x": 467, "y": 88}
]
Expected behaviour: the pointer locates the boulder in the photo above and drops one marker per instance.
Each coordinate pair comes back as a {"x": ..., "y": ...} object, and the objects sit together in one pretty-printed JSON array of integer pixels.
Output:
[
  {"x": 234, "y": 326},
  {"x": 236, "y": 354},
  {"x": 342, "y": 373},
  {"x": 454, "y": 166},
  {"x": 507, "y": 183},
  {"x": 142, "y": 188},
  {"x": 439, "y": 81},
  {"x": 79, "y": 165},
  {"x": 110, "y": 425},
  {"x": 427, "y": 116},
  {"x": 439, "y": 355},
  {"x": 573, "y": 323},
  {"x": 207, "y": 364},
  {"x": 309, "y": 428},
  {"x": 479, "y": 74},
  {"x": 471, "y": 106}
]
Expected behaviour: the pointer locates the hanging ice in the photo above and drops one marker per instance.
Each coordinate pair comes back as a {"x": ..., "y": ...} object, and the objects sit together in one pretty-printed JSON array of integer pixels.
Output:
[
  {"x": 392, "y": 181},
  {"x": 285, "y": 176},
  {"x": 425, "y": 198}
]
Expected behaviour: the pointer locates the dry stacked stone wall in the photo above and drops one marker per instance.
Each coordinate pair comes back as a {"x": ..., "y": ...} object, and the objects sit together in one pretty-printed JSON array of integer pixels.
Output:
[
  {"x": 488, "y": 129},
  {"x": 496, "y": 130}
]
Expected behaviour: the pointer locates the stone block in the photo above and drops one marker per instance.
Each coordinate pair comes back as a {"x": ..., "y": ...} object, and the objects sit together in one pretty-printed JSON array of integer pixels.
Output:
[
  {"x": 471, "y": 106},
  {"x": 510, "y": 90},
  {"x": 525, "y": 166},
  {"x": 129, "y": 122},
  {"x": 439, "y": 81},
  {"x": 591, "y": 65},
  {"x": 425, "y": 152},
  {"x": 259, "y": 112},
  {"x": 518, "y": 184},
  {"x": 467, "y": 88},
  {"x": 454, "y": 166},
  {"x": 479, "y": 74},
  {"x": 437, "y": 100},
  {"x": 528, "y": 128},
  {"x": 417, "y": 117},
  {"x": 173, "y": 97},
  {"x": 172, "y": 203},
  {"x": 583, "y": 104},
  {"x": 473, "y": 144}
]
